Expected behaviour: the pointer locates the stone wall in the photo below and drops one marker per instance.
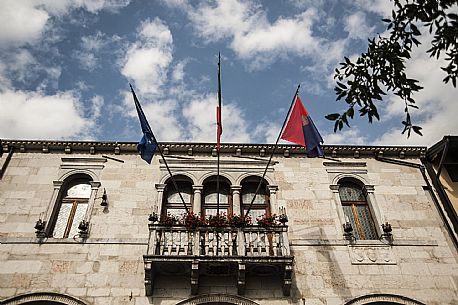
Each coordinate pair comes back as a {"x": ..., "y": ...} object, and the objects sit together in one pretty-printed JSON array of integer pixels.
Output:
[{"x": 107, "y": 268}]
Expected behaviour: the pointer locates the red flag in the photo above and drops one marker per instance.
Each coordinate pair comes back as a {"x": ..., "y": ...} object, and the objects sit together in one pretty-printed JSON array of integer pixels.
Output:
[
  {"x": 293, "y": 131},
  {"x": 301, "y": 130}
]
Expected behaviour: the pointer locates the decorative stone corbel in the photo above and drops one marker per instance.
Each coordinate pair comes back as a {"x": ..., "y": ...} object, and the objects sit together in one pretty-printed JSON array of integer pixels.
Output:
[
  {"x": 148, "y": 279},
  {"x": 241, "y": 279},
  {"x": 195, "y": 277},
  {"x": 287, "y": 280}
]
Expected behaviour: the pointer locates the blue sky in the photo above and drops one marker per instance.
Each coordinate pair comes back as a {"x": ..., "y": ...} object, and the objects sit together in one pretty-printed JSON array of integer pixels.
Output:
[{"x": 65, "y": 68}]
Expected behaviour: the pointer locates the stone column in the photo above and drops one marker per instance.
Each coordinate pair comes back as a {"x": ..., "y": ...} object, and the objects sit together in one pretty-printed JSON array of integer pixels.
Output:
[
  {"x": 338, "y": 205},
  {"x": 370, "y": 197},
  {"x": 95, "y": 185},
  {"x": 197, "y": 204},
  {"x": 160, "y": 194},
  {"x": 52, "y": 205},
  {"x": 273, "y": 198},
  {"x": 236, "y": 203}
]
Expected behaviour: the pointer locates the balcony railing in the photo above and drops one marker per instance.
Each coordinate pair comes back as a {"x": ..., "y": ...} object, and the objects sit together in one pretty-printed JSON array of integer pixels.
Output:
[{"x": 194, "y": 248}]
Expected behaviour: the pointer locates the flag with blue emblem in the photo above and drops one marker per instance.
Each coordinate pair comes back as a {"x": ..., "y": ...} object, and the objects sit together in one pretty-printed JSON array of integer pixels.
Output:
[
  {"x": 147, "y": 145},
  {"x": 301, "y": 130}
]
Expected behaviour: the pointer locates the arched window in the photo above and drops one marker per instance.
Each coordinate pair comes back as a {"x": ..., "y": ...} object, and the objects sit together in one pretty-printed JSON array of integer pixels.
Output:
[
  {"x": 74, "y": 201},
  {"x": 261, "y": 204},
  {"x": 172, "y": 201},
  {"x": 356, "y": 209},
  {"x": 210, "y": 195}
]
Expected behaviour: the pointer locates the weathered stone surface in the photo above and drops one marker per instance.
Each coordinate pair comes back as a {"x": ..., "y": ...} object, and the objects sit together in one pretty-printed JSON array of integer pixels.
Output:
[{"x": 108, "y": 268}]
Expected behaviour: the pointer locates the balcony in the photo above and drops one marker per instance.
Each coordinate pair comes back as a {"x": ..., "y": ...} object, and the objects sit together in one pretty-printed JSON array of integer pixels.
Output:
[{"x": 218, "y": 250}]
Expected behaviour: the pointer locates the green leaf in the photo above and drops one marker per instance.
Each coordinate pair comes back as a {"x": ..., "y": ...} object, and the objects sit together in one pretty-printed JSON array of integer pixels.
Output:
[
  {"x": 344, "y": 119},
  {"x": 341, "y": 85},
  {"x": 417, "y": 129},
  {"x": 332, "y": 116},
  {"x": 452, "y": 16},
  {"x": 340, "y": 124},
  {"x": 415, "y": 30}
]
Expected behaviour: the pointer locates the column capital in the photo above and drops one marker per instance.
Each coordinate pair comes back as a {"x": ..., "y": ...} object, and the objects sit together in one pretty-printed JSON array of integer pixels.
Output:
[
  {"x": 334, "y": 188},
  {"x": 369, "y": 188},
  {"x": 160, "y": 187},
  {"x": 272, "y": 188},
  {"x": 95, "y": 184},
  {"x": 198, "y": 188},
  {"x": 236, "y": 188},
  {"x": 57, "y": 183}
]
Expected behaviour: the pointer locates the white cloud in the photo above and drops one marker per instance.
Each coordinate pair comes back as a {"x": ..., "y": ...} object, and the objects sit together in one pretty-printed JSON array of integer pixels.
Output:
[
  {"x": 24, "y": 22},
  {"x": 380, "y": 7},
  {"x": 268, "y": 132},
  {"x": 21, "y": 21},
  {"x": 200, "y": 114},
  {"x": 349, "y": 136},
  {"x": 178, "y": 71},
  {"x": 147, "y": 61},
  {"x": 161, "y": 115},
  {"x": 357, "y": 27},
  {"x": 163, "y": 120},
  {"x": 97, "y": 104},
  {"x": 32, "y": 115},
  {"x": 92, "y": 47},
  {"x": 437, "y": 103},
  {"x": 257, "y": 40}
]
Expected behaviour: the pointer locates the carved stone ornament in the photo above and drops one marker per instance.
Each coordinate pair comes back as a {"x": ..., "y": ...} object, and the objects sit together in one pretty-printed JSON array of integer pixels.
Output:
[
  {"x": 371, "y": 255},
  {"x": 383, "y": 298},
  {"x": 51, "y": 297},
  {"x": 217, "y": 298}
]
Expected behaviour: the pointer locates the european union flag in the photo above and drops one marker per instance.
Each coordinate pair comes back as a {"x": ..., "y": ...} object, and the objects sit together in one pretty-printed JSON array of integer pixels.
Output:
[{"x": 147, "y": 145}]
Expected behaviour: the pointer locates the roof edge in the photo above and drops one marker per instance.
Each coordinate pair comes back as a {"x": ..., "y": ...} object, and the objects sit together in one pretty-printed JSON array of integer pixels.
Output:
[{"x": 189, "y": 148}]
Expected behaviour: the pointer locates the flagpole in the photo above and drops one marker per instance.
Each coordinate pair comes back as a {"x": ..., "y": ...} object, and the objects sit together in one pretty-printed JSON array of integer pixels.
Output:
[
  {"x": 137, "y": 104},
  {"x": 219, "y": 131},
  {"x": 273, "y": 151}
]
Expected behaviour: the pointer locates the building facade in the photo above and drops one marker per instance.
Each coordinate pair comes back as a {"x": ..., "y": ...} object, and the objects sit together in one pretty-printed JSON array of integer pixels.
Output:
[
  {"x": 92, "y": 223},
  {"x": 442, "y": 165}
]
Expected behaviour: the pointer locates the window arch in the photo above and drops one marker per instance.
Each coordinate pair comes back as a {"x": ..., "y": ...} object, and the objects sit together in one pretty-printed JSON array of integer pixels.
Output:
[
  {"x": 73, "y": 204},
  {"x": 36, "y": 298},
  {"x": 261, "y": 204},
  {"x": 356, "y": 209},
  {"x": 172, "y": 202},
  {"x": 210, "y": 195}
]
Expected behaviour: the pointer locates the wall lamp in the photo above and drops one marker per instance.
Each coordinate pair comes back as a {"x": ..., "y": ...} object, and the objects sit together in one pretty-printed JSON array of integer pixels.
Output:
[
  {"x": 386, "y": 227},
  {"x": 348, "y": 230},
  {"x": 104, "y": 197}
]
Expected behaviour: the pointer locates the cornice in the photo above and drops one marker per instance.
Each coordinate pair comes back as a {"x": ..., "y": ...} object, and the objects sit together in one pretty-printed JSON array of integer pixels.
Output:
[{"x": 190, "y": 149}]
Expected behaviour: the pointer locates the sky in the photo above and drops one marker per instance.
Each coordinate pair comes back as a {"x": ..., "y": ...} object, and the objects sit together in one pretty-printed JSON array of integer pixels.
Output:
[{"x": 65, "y": 69}]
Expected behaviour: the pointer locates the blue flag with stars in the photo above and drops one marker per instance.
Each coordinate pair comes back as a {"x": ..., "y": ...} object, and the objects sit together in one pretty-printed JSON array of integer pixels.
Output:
[{"x": 147, "y": 145}]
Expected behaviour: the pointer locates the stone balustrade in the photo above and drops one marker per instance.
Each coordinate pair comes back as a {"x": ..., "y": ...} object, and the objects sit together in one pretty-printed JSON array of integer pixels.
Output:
[
  {"x": 252, "y": 241},
  {"x": 224, "y": 250}
]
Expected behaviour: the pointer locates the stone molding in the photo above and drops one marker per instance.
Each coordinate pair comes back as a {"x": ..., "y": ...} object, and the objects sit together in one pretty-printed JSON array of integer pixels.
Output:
[
  {"x": 213, "y": 298},
  {"x": 130, "y": 148},
  {"x": 55, "y": 298},
  {"x": 371, "y": 255},
  {"x": 395, "y": 299},
  {"x": 120, "y": 241},
  {"x": 298, "y": 242}
]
